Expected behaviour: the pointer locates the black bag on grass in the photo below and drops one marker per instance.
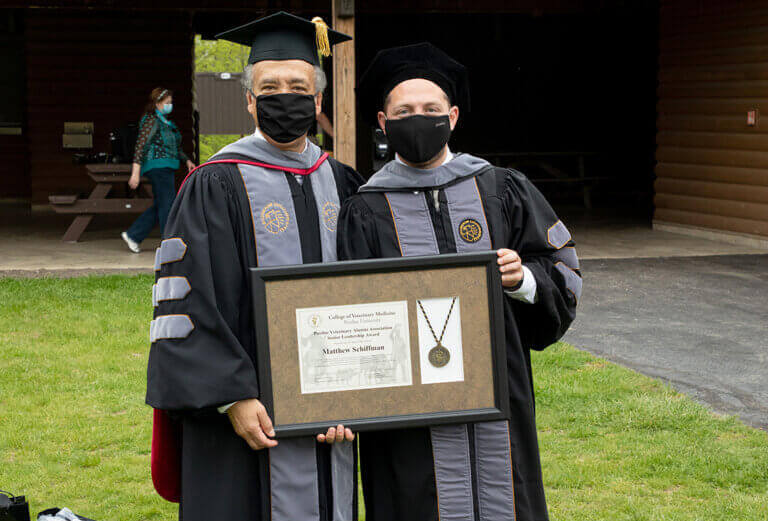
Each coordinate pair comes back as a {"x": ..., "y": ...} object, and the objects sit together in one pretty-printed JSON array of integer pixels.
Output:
[{"x": 13, "y": 508}]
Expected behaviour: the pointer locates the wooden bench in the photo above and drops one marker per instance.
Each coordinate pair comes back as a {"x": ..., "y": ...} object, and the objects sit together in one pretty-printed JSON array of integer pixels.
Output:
[
  {"x": 105, "y": 176},
  {"x": 542, "y": 161}
]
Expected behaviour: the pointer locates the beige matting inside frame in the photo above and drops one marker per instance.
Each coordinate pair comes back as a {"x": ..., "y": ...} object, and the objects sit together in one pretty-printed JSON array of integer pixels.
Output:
[{"x": 475, "y": 392}]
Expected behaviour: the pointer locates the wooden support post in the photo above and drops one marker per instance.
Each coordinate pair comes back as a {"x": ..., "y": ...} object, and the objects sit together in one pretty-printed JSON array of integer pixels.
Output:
[{"x": 344, "y": 129}]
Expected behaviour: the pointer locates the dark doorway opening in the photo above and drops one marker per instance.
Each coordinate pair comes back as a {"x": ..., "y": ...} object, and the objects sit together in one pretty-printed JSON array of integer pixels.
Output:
[
  {"x": 550, "y": 94},
  {"x": 14, "y": 171}
]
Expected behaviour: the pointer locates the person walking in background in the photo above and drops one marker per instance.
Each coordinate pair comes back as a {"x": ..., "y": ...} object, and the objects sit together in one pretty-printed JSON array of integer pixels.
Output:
[{"x": 158, "y": 154}]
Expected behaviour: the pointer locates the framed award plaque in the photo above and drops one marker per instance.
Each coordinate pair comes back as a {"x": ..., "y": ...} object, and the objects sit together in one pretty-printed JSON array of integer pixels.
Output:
[{"x": 380, "y": 344}]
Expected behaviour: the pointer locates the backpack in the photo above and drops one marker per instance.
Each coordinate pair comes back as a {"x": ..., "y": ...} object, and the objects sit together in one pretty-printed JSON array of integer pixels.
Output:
[{"x": 123, "y": 142}]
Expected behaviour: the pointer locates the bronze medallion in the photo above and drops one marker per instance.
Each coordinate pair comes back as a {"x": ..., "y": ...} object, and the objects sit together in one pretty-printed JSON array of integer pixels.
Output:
[{"x": 439, "y": 356}]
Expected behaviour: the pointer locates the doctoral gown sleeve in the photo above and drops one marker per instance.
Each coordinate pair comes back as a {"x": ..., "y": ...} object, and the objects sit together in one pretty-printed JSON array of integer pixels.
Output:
[
  {"x": 547, "y": 249},
  {"x": 356, "y": 237},
  {"x": 197, "y": 359}
]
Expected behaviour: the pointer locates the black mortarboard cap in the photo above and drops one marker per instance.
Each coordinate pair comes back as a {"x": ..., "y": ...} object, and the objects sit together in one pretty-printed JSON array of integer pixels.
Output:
[
  {"x": 393, "y": 66},
  {"x": 283, "y": 36}
]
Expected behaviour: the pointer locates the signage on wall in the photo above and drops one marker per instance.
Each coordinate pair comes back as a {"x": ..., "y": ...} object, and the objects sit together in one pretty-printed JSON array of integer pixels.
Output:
[{"x": 752, "y": 116}]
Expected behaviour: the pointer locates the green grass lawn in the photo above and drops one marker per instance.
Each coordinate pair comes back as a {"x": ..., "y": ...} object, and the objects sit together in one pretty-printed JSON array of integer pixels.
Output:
[{"x": 74, "y": 430}]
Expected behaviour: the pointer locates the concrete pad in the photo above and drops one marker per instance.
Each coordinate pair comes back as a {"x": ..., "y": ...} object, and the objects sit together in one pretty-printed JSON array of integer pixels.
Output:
[
  {"x": 615, "y": 234},
  {"x": 31, "y": 241},
  {"x": 698, "y": 323}
]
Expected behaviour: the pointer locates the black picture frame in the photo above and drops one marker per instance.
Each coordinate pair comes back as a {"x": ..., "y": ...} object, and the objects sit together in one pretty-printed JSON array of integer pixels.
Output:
[{"x": 261, "y": 276}]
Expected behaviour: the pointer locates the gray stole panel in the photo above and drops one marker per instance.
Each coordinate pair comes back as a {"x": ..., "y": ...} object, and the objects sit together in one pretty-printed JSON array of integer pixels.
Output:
[
  {"x": 495, "y": 490},
  {"x": 343, "y": 475},
  {"x": 274, "y": 216},
  {"x": 293, "y": 480},
  {"x": 466, "y": 214},
  {"x": 412, "y": 208},
  {"x": 328, "y": 207},
  {"x": 293, "y": 469},
  {"x": 453, "y": 472},
  {"x": 450, "y": 444}
]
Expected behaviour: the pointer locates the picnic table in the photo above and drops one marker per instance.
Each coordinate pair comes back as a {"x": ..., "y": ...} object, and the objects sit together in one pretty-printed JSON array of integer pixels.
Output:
[
  {"x": 543, "y": 161},
  {"x": 106, "y": 176}
]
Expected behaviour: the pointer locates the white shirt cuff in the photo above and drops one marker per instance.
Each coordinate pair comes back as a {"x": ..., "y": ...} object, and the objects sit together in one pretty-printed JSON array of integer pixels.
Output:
[
  {"x": 527, "y": 290},
  {"x": 224, "y": 408}
]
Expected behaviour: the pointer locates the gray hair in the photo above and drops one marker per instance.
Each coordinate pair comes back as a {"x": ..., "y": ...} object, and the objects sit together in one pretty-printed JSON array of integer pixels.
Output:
[{"x": 321, "y": 82}]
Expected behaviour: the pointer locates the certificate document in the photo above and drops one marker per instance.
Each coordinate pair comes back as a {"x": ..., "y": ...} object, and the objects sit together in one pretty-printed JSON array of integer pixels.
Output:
[{"x": 345, "y": 348}]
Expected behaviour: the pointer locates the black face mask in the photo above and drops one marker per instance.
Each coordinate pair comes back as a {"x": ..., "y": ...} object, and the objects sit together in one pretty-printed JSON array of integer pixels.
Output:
[
  {"x": 285, "y": 117},
  {"x": 418, "y": 138}
]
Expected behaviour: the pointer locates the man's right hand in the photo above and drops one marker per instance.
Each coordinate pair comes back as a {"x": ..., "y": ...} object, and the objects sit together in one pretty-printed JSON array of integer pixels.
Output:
[{"x": 251, "y": 422}]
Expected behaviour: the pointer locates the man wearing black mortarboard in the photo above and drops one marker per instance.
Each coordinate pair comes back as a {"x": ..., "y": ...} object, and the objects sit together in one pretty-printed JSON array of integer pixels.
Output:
[
  {"x": 269, "y": 199},
  {"x": 445, "y": 202}
]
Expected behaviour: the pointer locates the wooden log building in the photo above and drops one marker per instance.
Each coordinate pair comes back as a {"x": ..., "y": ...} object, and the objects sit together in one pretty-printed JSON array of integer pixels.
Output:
[
  {"x": 662, "y": 100},
  {"x": 712, "y": 155}
]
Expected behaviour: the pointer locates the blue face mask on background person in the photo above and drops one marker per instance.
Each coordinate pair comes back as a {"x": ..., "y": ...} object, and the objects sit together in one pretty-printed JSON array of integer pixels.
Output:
[{"x": 166, "y": 109}]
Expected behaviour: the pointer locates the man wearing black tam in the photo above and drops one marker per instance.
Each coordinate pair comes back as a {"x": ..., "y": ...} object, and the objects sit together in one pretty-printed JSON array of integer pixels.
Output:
[
  {"x": 269, "y": 199},
  {"x": 430, "y": 201}
]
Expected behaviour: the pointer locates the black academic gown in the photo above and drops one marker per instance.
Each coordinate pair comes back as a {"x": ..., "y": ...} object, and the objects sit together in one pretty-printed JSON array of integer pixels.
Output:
[
  {"x": 222, "y": 478},
  {"x": 397, "y": 466}
]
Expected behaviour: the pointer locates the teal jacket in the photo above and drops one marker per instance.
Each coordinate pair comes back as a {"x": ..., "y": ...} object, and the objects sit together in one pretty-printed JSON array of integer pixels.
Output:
[{"x": 158, "y": 144}]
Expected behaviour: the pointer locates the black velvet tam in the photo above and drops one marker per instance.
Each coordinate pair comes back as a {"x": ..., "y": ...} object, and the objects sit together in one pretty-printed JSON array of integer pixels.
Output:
[
  {"x": 393, "y": 66},
  {"x": 283, "y": 36}
]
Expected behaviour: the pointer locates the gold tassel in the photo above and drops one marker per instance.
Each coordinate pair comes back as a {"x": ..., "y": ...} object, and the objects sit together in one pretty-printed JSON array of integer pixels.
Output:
[{"x": 321, "y": 30}]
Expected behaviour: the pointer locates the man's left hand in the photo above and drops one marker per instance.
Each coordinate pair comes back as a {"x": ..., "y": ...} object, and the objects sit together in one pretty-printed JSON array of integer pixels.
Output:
[
  {"x": 336, "y": 435},
  {"x": 511, "y": 268},
  {"x": 190, "y": 165}
]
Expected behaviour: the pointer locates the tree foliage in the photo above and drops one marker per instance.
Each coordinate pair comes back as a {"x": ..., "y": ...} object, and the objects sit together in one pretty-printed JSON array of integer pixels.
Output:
[{"x": 219, "y": 56}]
